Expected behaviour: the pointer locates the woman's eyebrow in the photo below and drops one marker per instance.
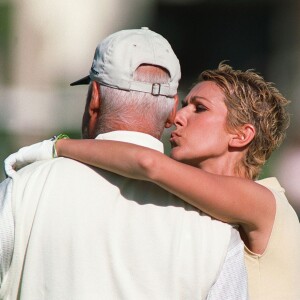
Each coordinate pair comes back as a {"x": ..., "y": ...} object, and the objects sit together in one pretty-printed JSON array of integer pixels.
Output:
[
  {"x": 193, "y": 99},
  {"x": 197, "y": 98}
]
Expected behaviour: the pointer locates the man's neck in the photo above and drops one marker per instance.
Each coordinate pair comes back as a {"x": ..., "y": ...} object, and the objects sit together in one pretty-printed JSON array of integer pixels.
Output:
[{"x": 133, "y": 137}]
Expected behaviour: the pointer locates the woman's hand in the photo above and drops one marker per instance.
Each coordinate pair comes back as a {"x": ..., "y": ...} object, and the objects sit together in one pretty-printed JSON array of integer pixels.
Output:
[{"x": 29, "y": 154}]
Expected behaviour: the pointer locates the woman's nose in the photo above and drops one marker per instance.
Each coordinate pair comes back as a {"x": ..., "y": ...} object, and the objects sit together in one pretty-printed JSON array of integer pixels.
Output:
[{"x": 180, "y": 118}]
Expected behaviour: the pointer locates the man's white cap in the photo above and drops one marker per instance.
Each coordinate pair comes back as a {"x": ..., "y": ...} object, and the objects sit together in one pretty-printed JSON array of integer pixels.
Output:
[{"x": 121, "y": 53}]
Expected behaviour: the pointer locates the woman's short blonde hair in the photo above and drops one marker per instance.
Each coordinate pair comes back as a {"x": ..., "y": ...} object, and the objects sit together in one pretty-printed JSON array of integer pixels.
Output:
[{"x": 252, "y": 100}]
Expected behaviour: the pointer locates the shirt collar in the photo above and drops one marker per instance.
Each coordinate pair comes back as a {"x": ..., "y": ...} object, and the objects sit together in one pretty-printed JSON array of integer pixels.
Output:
[{"x": 133, "y": 137}]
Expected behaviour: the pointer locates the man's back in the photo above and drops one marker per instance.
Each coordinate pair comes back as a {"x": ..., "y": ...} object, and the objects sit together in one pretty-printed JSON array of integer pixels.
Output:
[{"x": 96, "y": 234}]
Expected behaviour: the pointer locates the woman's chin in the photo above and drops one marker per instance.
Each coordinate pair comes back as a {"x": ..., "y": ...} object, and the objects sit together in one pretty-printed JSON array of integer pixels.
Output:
[{"x": 175, "y": 154}]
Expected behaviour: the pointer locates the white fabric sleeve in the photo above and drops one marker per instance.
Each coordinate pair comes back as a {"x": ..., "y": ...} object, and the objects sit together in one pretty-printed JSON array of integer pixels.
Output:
[
  {"x": 232, "y": 281},
  {"x": 6, "y": 227}
]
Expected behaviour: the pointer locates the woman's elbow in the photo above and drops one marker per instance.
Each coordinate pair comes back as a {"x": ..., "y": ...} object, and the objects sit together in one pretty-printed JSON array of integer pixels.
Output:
[{"x": 148, "y": 164}]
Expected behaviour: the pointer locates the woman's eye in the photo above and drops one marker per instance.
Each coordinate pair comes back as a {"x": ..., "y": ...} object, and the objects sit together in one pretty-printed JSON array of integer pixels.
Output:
[{"x": 200, "y": 108}]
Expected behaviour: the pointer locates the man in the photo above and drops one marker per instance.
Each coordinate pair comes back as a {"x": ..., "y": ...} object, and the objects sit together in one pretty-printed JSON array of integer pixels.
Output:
[{"x": 84, "y": 233}]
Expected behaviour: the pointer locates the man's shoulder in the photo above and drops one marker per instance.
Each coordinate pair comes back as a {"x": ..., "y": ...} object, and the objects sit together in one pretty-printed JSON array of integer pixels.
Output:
[
  {"x": 66, "y": 171},
  {"x": 56, "y": 163},
  {"x": 58, "y": 167}
]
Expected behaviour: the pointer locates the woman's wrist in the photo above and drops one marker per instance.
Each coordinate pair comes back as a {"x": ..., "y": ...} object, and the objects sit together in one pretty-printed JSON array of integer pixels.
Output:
[{"x": 57, "y": 144}]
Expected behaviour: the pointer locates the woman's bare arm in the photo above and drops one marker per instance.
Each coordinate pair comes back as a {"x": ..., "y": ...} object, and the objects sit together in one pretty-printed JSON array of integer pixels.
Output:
[{"x": 229, "y": 199}]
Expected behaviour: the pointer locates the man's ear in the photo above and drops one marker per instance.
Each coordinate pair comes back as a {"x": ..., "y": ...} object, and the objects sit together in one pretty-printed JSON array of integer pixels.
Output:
[
  {"x": 171, "y": 117},
  {"x": 94, "y": 105},
  {"x": 94, "y": 109},
  {"x": 243, "y": 136}
]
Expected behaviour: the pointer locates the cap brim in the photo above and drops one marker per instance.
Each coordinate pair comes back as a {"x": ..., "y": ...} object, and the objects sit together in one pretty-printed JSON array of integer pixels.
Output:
[{"x": 84, "y": 80}]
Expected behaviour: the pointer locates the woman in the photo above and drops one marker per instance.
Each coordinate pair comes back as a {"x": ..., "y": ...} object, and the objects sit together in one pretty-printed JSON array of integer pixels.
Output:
[{"x": 230, "y": 123}]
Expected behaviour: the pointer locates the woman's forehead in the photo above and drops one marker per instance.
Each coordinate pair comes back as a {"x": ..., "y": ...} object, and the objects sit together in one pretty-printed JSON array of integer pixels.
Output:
[{"x": 205, "y": 89}]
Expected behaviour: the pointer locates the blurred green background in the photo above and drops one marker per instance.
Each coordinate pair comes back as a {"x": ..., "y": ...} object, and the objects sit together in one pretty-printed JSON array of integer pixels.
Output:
[{"x": 45, "y": 45}]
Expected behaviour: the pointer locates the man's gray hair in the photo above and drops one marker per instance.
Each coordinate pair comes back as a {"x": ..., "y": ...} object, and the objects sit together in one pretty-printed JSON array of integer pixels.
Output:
[{"x": 131, "y": 110}]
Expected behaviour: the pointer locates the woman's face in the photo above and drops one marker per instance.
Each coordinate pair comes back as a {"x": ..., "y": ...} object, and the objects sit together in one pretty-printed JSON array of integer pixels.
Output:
[{"x": 201, "y": 137}]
